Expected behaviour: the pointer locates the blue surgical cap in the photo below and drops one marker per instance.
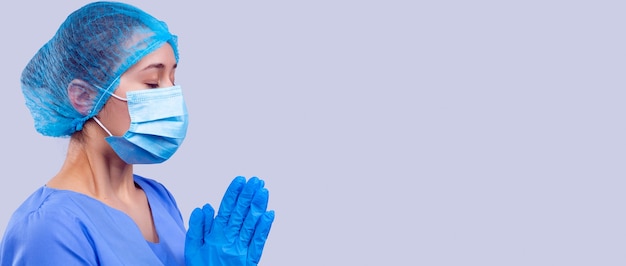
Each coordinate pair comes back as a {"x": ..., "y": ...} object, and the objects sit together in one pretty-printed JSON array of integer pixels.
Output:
[{"x": 96, "y": 44}]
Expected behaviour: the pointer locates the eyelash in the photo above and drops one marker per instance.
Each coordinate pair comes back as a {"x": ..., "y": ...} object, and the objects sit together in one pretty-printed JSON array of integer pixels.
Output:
[{"x": 152, "y": 85}]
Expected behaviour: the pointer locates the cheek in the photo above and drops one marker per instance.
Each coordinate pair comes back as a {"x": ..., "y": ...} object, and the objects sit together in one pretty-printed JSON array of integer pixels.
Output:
[{"x": 115, "y": 117}]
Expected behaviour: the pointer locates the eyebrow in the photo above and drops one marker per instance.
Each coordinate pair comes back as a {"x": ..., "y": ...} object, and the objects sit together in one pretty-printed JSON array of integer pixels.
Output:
[{"x": 158, "y": 66}]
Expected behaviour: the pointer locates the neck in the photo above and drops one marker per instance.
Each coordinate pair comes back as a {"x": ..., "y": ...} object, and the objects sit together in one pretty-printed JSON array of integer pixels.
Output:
[{"x": 92, "y": 168}]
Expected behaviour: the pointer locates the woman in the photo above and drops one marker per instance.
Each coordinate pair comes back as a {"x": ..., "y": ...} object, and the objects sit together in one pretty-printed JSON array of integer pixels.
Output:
[{"x": 106, "y": 79}]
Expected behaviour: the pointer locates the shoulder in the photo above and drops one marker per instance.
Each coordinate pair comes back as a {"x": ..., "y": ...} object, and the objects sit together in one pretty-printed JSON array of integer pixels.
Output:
[
  {"x": 46, "y": 223},
  {"x": 47, "y": 209},
  {"x": 46, "y": 204}
]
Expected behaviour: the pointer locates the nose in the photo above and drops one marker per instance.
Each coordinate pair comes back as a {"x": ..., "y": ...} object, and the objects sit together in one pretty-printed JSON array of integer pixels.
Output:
[{"x": 166, "y": 83}]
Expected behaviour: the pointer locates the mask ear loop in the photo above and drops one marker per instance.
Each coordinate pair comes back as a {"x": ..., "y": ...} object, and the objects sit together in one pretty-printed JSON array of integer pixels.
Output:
[
  {"x": 114, "y": 96},
  {"x": 106, "y": 91},
  {"x": 102, "y": 126},
  {"x": 119, "y": 98}
]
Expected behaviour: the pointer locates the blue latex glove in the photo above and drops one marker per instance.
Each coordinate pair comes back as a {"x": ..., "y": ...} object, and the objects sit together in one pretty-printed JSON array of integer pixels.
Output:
[{"x": 238, "y": 233}]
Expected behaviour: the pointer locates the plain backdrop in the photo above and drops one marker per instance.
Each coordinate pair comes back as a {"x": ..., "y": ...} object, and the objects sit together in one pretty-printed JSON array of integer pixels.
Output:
[{"x": 388, "y": 132}]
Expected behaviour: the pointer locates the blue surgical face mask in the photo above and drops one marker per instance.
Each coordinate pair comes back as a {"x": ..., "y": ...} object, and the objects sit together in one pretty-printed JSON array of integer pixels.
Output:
[{"x": 158, "y": 125}]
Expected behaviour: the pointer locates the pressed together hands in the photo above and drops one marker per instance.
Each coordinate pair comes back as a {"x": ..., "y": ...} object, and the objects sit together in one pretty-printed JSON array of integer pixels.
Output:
[{"x": 237, "y": 235}]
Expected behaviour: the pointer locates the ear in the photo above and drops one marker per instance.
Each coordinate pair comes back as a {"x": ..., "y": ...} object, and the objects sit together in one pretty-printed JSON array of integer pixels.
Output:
[{"x": 81, "y": 96}]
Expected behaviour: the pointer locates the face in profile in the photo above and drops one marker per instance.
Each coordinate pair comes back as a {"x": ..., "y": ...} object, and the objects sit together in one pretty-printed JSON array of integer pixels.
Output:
[{"x": 155, "y": 70}]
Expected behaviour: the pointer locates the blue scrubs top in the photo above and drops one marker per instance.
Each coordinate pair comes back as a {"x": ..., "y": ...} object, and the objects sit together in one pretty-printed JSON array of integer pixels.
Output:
[{"x": 62, "y": 227}]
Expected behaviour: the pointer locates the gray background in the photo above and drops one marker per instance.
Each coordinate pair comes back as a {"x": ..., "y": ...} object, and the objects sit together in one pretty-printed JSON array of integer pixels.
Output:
[{"x": 388, "y": 132}]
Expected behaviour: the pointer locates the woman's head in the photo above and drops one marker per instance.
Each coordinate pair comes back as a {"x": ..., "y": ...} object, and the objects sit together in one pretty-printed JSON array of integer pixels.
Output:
[{"x": 91, "y": 50}]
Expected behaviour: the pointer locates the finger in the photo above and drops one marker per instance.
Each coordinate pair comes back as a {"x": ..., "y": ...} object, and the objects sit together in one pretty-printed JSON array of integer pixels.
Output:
[
  {"x": 257, "y": 208},
  {"x": 260, "y": 237},
  {"x": 243, "y": 206},
  {"x": 229, "y": 201},
  {"x": 208, "y": 212},
  {"x": 194, "y": 238}
]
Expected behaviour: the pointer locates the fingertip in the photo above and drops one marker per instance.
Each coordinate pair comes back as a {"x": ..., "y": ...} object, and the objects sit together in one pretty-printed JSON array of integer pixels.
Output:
[
  {"x": 260, "y": 236},
  {"x": 263, "y": 191},
  {"x": 270, "y": 214},
  {"x": 237, "y": 183},
  {"x": 208, "y": 210},
  {"x": 196, "y": 217},
  {"x": 265, "y": 223},
  {"x": 196, "y": 226},
  {"x": 254, "y": 180},
  {"x": 256, "y": 183},
  {"x": 268, "y": 220}
]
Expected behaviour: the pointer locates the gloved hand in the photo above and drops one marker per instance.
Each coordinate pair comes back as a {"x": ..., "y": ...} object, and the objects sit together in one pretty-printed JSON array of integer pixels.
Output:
[{"x": 237, "y": 235}]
